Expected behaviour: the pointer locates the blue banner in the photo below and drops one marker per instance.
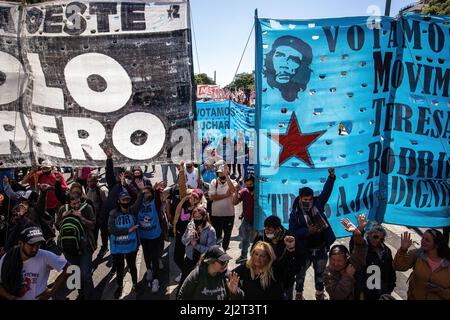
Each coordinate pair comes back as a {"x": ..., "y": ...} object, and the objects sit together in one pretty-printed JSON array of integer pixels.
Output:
[
  {"x": 217, "y": 120},
  {"x": 367, "y": 97}
]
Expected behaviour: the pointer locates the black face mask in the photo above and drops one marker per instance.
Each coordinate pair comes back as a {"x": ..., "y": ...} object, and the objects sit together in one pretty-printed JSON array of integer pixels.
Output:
[
  {"x": 198, "y": 222},
  {"x": 47, "y": 172},
  {"x": 307, "y": 205},
  {"x": 251, "y": 189},
  {"x": 223, "y": 178},
  {"x": 125, "y": 205}
]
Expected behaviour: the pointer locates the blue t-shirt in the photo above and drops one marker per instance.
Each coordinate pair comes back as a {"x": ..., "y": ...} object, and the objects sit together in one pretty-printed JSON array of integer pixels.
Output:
[
  {"x": 207, "y": 175},
  {"x": 127, "y": 243},
  {"x": 148, "y": 219}
]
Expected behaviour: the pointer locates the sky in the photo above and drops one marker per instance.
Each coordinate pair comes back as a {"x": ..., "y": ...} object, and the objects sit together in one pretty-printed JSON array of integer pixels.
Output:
[{"x": 222, "y": 27}]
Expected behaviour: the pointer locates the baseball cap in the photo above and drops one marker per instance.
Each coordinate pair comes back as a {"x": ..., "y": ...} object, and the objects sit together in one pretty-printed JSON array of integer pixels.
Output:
[
  {"x": 32, "y": 235},
  {"x": 216, "y": 253},
  {"x": 124, "y": 195},
  {"x": 46, "y": 164}
]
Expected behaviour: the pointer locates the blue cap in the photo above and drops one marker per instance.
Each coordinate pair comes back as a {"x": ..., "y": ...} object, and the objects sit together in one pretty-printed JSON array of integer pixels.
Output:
[{"x": 124, "y": 194}]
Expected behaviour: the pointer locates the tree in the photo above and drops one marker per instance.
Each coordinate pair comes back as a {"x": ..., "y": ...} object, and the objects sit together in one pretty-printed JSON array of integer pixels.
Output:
[
  {"x": 244, "y": 81},
  {"x": 202, "y": 78},
  {"x": 437, "y": 7}
]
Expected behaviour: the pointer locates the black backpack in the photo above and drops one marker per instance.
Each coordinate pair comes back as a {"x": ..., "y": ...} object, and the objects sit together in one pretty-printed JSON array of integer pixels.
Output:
[{"x": 71, "y": 235}]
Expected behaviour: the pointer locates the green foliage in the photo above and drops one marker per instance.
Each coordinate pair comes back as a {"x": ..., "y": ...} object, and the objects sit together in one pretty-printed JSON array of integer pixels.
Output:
[
  {"x": 437, "y": 8},
  {"x": 244, "y": 81},
  {"x": 202, "y": 78}
]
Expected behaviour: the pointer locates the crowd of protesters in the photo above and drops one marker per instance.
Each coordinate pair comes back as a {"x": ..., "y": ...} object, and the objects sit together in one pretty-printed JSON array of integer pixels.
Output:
[{"x": 50, "y": 223}]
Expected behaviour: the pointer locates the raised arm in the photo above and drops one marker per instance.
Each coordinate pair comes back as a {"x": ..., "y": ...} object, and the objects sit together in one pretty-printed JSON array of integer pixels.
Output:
[{"x": 327, "y": 188}]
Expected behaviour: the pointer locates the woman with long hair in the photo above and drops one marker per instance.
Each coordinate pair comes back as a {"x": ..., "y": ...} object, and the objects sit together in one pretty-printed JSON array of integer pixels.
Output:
[
  {"x": 430, "y": 277},
  {"x": 261, "y": 276}
]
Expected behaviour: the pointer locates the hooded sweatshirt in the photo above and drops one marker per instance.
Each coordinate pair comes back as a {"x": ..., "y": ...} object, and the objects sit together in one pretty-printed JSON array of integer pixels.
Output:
[{"x": 200, "y": 285}]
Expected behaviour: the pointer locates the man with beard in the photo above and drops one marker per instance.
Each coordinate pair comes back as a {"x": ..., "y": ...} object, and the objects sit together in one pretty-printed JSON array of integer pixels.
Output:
[
  {"x": 313, "y": 234},
  {"x": 287, "y": 66},
  {"x": 25, "y": 269}
]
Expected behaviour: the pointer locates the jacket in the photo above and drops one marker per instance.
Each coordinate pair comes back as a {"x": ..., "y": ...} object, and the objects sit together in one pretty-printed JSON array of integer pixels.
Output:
[
  {"x": 252, "y": 287},
  {"x": 421, "y": 275},
  {"x": 342, "y": 287},
  {"x": 207, "y": 240},
  {"x": 388, "y": 275},
  {"x": 298, "y": 226},
  {"x": 200, "y": 285},
  {"x": 88, "y": 213}
]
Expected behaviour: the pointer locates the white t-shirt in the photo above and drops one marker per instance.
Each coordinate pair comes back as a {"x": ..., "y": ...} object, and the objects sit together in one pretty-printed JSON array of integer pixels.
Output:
[
  {"x": 35, "y": 272},
  {"x": 192, "y": 179},
  {"x": 224, "y": 207}
]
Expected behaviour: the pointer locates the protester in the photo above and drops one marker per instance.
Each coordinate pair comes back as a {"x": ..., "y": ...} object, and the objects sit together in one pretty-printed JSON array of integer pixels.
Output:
[
  {"x": 30, "y": 211},
  {"x": 76, "y": 223},
  {"x": 261, "y": 276},
  {"x": 151, "y": 231},
  {"x": 313, "y": 234},
  {"x": 24, "y": 269},
  {"x": 198, "y": 238},
  {"x": 208, "y": 280},
  {"x": 247, "y": 197},
  {"x": 190, "y": 199},
  {"x": 275, "y": 234},
  {"x": 122, "y": 227},
  {"x": 193, "y": 178},
  {"x": 46, "y": 176},
  {"x": 430, "y": 276},
  {"x": 98, "y": 195},
  {"x": 221, "y": 193},
  {"x": 379, "y": 255},
  {"x": 81, "y": 175},
  {"x": 208, "y": 174},
  {"x": 339, "y": 276}
]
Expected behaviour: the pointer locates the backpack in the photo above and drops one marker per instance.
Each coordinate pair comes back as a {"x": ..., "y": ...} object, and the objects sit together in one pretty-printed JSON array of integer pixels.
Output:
[{"x": 71, "y": 234}]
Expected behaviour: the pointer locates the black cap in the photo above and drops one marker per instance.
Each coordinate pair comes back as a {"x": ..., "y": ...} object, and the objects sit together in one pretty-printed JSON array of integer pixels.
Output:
[
  {"x": 216, "y": 253},
  {"x": 32, "y": 235}
]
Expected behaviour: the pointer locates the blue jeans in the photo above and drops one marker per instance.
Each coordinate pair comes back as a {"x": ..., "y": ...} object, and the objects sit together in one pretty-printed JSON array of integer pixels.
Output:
[
  {"x": 246, "y": 231},
  {"x": 173, "y": 169},
  {"x": 318, "y": 258},
  {"x": 84, "y": 261}
]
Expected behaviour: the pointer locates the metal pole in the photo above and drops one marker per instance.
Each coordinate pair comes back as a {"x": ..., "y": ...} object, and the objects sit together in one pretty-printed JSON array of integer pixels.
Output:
[{"x": 387, "y": 11}]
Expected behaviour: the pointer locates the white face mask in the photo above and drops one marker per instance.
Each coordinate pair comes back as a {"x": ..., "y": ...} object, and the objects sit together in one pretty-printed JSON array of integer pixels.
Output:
[{"x": 270, "y": 236}]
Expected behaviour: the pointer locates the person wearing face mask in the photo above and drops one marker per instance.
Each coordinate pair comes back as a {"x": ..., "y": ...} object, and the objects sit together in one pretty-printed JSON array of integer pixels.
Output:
[
  {"x": 430, "y": 264},
  {"x": 247, "y": 197},
  {"x": 151, "y": 230},
  {"x": 378, "y": 254},
  {"x": 221, "y": 192},
  {"x": 137, "y": 173},
  {"x": 46, "y": 176},
  {"x": 122, "y": 227},
  {"x": 190, "y": 199},
  {"x": 277, "y": 236},
  {"x": 313, "y": 234},
  {"x": 31, "y": 211},
  {"x": 79, "y": 210},
  {"x": 198, "y": 238}
]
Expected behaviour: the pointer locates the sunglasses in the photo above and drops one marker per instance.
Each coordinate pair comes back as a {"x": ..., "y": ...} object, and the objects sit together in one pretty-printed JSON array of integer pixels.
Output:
[
  {"x": 375, "y": 237},
  {"x": 222, "y": 263}
]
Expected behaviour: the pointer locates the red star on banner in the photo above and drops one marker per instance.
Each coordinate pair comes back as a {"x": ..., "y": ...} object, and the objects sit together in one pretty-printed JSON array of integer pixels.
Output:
[{"x": 294, "y": 143}]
